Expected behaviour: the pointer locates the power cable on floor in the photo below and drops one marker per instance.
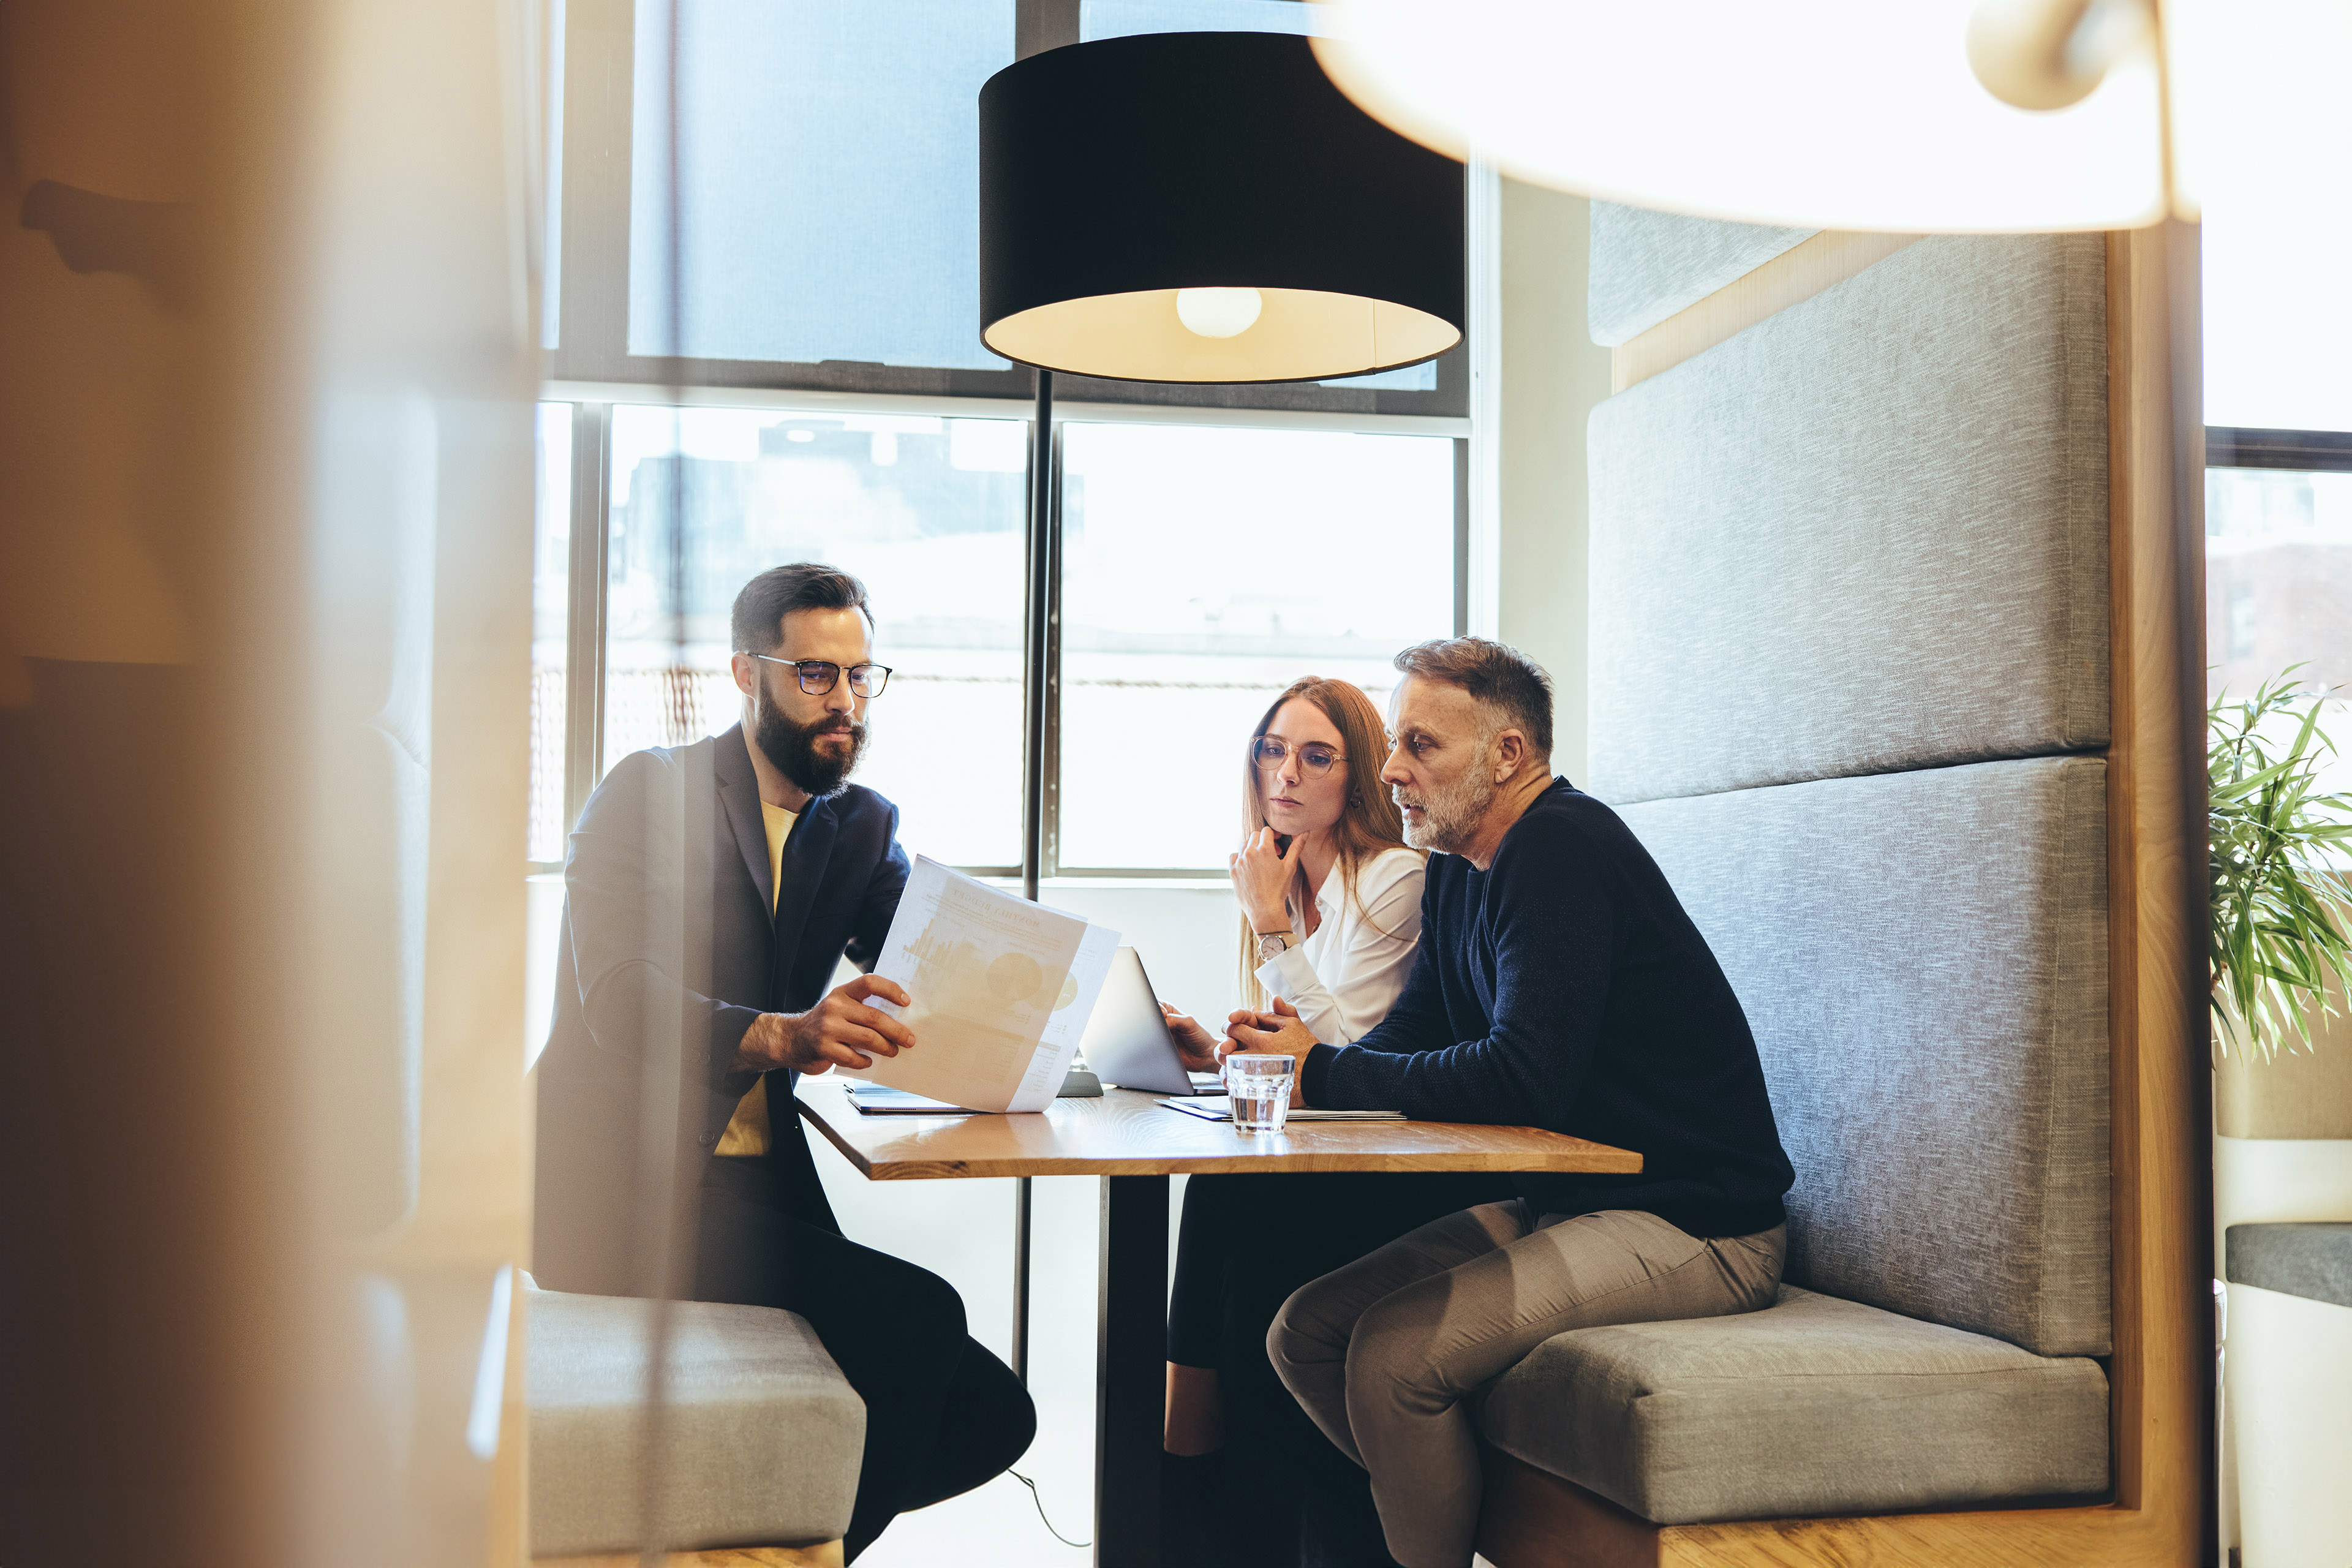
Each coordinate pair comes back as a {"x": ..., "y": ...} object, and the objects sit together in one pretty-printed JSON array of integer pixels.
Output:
[{"x": 1040, "y": 1502}]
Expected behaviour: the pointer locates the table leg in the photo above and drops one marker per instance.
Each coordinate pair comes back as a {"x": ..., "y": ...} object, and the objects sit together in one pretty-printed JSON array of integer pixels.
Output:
[
  {"x": 1130, "y": 1371},
  {"x": 1021, "y": 1212}
]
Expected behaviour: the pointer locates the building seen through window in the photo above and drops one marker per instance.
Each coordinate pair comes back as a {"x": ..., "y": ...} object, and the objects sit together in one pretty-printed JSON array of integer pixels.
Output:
[
  {"x": 2278, "y": 579},
  {"x": 927, "y": 511}
]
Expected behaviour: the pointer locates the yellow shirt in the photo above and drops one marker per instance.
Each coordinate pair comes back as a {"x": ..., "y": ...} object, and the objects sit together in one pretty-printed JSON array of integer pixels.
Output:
[{"x": 748, "y": 1129}]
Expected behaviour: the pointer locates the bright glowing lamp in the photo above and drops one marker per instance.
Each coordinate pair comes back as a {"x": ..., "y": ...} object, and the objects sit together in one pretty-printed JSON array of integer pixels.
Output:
[{"x": 1910, "y": 116}]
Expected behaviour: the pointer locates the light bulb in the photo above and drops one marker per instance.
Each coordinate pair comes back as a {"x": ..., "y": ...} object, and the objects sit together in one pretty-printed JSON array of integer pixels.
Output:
[{"x": 1218, "y": 312}]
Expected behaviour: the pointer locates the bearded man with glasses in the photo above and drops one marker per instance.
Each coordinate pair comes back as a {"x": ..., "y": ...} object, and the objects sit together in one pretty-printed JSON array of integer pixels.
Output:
[{"x": 710, "y": 892}]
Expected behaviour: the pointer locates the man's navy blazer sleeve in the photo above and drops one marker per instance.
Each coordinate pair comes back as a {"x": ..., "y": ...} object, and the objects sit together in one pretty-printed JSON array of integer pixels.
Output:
[
  {"x": 880, "y": 904},
  {"x": 635, "y": 956}
]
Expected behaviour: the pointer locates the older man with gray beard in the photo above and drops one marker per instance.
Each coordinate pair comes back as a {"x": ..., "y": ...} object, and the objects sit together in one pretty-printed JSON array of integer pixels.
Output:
[{"x": 1560, "y": 983}]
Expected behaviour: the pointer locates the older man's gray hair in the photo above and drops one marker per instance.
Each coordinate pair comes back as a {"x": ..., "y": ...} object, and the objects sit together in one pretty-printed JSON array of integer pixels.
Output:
[{"x": 1496, "y": 674}]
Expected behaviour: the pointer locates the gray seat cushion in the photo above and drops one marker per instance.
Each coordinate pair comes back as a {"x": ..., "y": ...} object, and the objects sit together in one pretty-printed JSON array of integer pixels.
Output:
[
  {"x": 1811, "y": 1407},
  {"x": 760, "y": 1435},
  {"x": 2312, "y": 1260}
]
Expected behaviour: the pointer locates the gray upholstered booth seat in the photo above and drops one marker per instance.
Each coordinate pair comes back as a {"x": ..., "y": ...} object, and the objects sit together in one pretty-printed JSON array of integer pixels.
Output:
[
  {"x": 1646, "y": 265},
  {"x": 760, "y": 1434},
  {"x": 1813, "y": 1406},
  {"x": 2312, "y": 1260},
  {"x": 1868, "y": 534}
]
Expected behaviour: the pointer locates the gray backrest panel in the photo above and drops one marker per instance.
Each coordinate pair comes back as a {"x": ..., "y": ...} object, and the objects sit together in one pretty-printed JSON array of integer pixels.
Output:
[
  {"x": 1923, "y": 959},
  {"x": 1648, "y": 264},
  {"x": 1868, "y": 533}
]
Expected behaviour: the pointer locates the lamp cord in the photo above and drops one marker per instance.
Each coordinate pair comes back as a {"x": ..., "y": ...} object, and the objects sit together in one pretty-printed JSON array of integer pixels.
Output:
[{"x": 1040, "y": 1502}]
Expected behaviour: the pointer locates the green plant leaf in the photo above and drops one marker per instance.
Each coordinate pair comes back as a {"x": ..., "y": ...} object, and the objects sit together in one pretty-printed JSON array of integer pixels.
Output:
[{"x": 2278, "y": 868}]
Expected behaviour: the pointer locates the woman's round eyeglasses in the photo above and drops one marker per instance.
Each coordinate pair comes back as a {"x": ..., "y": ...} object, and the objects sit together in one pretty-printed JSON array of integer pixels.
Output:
[
  {"x": 819, "y": 677},
  {"x": 1314, "y": 760}
]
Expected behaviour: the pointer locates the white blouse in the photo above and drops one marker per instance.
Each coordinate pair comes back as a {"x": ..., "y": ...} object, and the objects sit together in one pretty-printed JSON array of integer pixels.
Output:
[{"x": 1346, "y": 977}]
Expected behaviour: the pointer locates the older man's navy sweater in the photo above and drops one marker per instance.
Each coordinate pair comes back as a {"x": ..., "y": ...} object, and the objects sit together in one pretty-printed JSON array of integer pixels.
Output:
[{"x": 1565, "y": 987}]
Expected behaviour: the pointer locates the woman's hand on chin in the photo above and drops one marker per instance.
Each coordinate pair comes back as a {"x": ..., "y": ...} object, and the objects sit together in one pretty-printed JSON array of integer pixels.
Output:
[
  {"x": 1262, "y": 878},
  {"x": 1195, "y": 1045}
]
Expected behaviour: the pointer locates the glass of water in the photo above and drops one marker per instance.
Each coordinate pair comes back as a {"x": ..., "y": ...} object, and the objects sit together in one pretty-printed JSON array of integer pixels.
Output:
[{"x": 1259, "y": 1090}]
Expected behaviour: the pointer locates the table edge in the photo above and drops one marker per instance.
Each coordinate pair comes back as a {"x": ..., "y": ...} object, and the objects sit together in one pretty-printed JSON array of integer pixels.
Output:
[{"x": 1618, "y": 1161}]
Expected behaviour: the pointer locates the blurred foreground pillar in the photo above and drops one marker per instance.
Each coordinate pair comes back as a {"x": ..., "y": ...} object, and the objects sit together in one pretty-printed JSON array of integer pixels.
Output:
[{"x": 265, "y": 501}]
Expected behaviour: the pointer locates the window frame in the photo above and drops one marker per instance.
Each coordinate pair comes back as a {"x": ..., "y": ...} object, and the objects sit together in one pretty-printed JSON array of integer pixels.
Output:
[
  {"x": 2297, "y": 451},
  {"x": 591, "y": 519}
]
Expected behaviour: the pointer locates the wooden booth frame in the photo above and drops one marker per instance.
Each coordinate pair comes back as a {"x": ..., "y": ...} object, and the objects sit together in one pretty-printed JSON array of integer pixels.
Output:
[{"x": 2160, "y": 1374}]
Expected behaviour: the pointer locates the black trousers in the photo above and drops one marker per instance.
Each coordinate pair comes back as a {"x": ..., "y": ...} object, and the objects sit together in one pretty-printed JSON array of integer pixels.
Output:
[
  {"x": 1243, "y": 1244},
  {"x": 943, "y": 1413}
]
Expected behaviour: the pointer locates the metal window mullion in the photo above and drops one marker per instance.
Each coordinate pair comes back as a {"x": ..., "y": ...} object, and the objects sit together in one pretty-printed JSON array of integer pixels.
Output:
[
  {"x": 1036, "y": 633},
  {"x": 1055, "y": 566},
  {"x": 1461, "y": 537},
  {"x": 583, "y": 685}
]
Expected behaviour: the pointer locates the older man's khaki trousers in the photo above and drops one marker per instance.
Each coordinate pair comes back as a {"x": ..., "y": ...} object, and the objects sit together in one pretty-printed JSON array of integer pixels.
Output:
[{"x": 1383, "y": 1352}]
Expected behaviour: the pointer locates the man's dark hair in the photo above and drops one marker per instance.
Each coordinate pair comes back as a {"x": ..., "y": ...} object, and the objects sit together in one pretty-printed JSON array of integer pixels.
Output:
[
  {"x": 1496, "y": 674},
  {"x": 767, "y": 599}
]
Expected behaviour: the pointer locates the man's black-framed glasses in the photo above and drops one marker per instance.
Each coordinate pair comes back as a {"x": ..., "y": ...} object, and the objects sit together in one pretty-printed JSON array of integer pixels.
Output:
[
  {"x": 820, "y": 676},
  {"x": 1314, "y": 760}
]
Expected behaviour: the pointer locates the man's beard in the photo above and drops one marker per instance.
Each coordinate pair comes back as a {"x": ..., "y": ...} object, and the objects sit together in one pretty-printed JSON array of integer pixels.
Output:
[
  {"x": 1449, "y": 815},
  {"x": 792, "y": 748}
]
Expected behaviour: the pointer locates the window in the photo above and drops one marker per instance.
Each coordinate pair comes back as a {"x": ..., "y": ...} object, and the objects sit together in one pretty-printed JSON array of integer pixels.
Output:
[
  {"x": 926, "y": 510},
  {"x": 551, "y": 604},
  {"x": 826, "y": 199},
  {"x": 2278, "y": 337},
  {"x": 773, "y": 205},
  {"x": 1205, "y": 569},
  {"x": 2276, "y": 232},
  {"x": 2278, "y": 571}
]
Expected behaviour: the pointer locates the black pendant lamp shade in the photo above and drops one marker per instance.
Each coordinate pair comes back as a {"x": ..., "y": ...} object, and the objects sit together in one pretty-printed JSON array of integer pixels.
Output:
[{"x": 1208, "y": 207}]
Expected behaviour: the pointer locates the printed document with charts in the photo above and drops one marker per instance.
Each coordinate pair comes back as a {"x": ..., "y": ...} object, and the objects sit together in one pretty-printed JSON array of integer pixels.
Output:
[{"x": 1001, "y": 991}]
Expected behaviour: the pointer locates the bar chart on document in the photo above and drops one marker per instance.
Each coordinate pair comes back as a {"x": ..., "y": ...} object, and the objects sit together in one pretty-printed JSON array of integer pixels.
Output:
[{"x": 1000, "y": 990}]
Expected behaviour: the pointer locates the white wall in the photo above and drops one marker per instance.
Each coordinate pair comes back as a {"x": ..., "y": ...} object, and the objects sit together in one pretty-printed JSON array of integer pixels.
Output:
[{"x": 1552, "y": 377}]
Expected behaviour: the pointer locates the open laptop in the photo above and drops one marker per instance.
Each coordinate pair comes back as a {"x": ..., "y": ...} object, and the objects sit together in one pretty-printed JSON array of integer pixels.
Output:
[{"x": 1126, "y": 1041}]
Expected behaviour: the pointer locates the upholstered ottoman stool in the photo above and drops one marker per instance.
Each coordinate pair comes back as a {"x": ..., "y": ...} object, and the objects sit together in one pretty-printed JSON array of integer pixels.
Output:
[{"x": 760, "y": 1440}]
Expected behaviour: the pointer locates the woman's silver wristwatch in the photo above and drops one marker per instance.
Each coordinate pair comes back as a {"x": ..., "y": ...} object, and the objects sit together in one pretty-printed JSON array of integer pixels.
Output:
[{"x": 1270, "y": 945}]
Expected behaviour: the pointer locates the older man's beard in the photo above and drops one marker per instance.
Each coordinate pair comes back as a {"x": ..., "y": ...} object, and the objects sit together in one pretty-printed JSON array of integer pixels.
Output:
[
  {"x": 1449, "y": 814},
  {"x": 793, "y": 749}
]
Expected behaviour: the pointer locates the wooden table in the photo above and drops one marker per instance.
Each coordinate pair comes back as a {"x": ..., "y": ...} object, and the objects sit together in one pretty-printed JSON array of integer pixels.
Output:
[{"x": 1129, "y": 1141}]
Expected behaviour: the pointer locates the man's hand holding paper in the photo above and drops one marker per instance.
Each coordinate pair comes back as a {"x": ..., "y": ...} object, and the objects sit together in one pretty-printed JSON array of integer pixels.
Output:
[
  {"x": 840, "y": 1031},
  {"x": 999, "y": 988}
]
